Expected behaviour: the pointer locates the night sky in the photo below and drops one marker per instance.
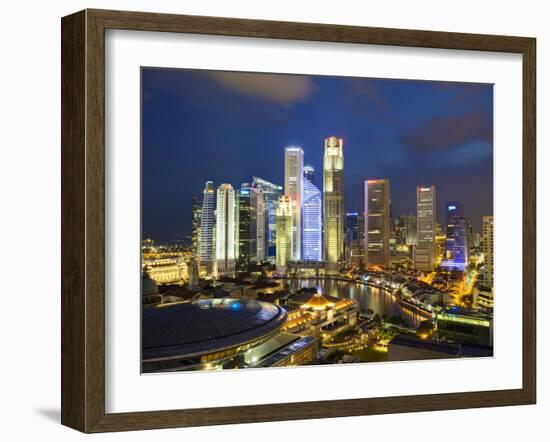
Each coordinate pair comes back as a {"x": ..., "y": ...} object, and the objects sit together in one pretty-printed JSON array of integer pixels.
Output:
[{"x": 228, "y": 126}]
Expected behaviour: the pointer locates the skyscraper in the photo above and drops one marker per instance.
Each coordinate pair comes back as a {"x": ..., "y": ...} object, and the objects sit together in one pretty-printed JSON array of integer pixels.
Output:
[
  {"x": 285, "y": 209},
  {"x": 333, "y": 202},
  {"x": 225, "y": 231},
  {"x": 271, "y": 193},
  {"x": 312, "y": 221},
  {"x": 206, "y": 248},
  {"x": 246, "y": 226},
  {"x": 294, "y": 176},
  {"x": 456, "y": 243},
  {"x": 411, "y": 232},
  {"x": 354, "y": 241},
  {"x": 488, "y": 252},
  {"x": 196, "y": 227},
  {"x": 424, "y": 253},
  {"x": 309, "y": 173},
  {"x": 377, "y": 222}
]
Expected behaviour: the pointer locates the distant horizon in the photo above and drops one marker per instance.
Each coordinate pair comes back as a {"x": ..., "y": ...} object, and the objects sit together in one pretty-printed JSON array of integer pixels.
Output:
[{"x": 227, "y": 127}]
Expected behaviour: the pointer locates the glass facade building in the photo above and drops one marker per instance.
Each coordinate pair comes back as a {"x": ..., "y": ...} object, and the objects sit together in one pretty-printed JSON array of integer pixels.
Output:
[
  {"x": 206, "y": 245},
  {"x": 424, "y": 252},
  {"x": 456, "y": 242},
  {"x": 225, "y": 231},
  {"x": 312, "y": 220},
  {"x": 333, "y": 202},
  {"x": 271, "y": 193},
  {"x": 294, "y": 176},
  {"x": 284, "y": 232},
  {"x": 377, "y": 222}
]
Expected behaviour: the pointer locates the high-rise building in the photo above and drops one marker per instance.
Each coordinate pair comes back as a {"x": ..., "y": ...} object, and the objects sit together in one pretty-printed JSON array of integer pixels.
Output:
[
  {"x": 424, "y": 253},
  {"x": 488, "y": 252},
  {"x": 271, "y": 193},
  {"x": 250, "y": 221},
  {"x": 312, "y": 222},
  {"x": 333, "y": 202},
  {"x": 206, "y": 248},
  {"x": 294, "y": 177},
  {"x": 246, "y": 226},
  {"x": 196, "y": 226},
  {"x": 355, "y": 239},
  {"x": 285, "y": 209},
  {"x": 225, "y": 231},
  {"x": 411, "y": 233},
  {"x": 377, "y": 222},
  {"x": 456, "y": 243},
  {"x": 309, "y": 173}
]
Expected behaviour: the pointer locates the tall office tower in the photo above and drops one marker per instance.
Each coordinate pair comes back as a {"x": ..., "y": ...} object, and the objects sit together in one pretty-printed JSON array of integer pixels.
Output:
[
  {"x": 312, "y": 222},
  {"x": 350, "y": 232},
  {"x": 246, "y": 226},
  {"x": 488, "y": 240},
  {"x": 294, "y": 178},
  {"x": 456, "y": 243},
  {"x": 206, "y": 247},
  {"x": 424, "y": 253},
  {"x": 250, "y": 223},
  {"x": 377, "y": 222},
  {"x": 411, "y": 232},
  {"x": 333, "y": 202},
  {"x": 225, "y": 231},
  {"x": 285, "y": 236},
  {"x": 271, "y": 193},
  {"x": 354, "y": 239},
  {"x": 470, "y": 236},
  {"x": 196, "y": 227},
  {"x": 309, "y": 173}
]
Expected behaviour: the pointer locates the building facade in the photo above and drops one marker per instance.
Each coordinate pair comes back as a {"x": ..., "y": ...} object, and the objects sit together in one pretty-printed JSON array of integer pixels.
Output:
[
  {"x": 206, "y": 244},
  {"x": 271, "y": 193},
  {"x": 456, "y": 242},
  {"x": 284, "y": 232},
  {"x": 312, "y": 223},
  {"x": 377, "y": 222},
  {"x": 333, "y": 202},
  {"x": 294, "y": 176},
  {"x": 488, "y": 251},
  {"x": 424, "y": 253},
  {"x": 196, "y": 226},
  {"x": 226, "y": 246}
]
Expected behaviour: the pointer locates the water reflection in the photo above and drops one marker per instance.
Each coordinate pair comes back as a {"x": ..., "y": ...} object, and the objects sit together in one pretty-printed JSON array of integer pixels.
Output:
[{"x": 375, "y": 299}]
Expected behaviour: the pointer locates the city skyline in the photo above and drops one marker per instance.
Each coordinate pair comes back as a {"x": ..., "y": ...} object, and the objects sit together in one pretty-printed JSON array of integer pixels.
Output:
[{"x": 169, "y": 186}]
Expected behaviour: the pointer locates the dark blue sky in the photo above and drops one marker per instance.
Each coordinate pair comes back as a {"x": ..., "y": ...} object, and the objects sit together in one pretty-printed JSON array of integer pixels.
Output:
[{"x": 228, "y": 126}]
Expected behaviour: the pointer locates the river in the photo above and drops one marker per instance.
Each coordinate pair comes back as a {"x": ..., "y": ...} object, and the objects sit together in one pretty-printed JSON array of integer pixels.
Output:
[{"x": 375, "y": 299}]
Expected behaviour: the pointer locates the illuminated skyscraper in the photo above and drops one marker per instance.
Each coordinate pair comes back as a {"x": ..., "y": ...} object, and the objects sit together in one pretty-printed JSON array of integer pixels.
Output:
[
  {"x": 333, "y": 202},
  {"x": 424, "y": 253},
  {"x": 456, "y": 243},
  {"x": 196, "y": 227},
  {"x": 312, "y": 221},
  {"x": 294, "y": 176},
  {"x": 271, "y": 193},
  {"x": 488, "y": 252},
  {"x": 411, "y": 232},
  {"x": 285, "y": 209},
  {"x": 225, "y": 231},
  {"x": 250, "y": 221},
  {"x": 206, "y": 248},
  {"x": 354, "y": 241},
  {"x": 377, "y": 222},
  {"x": 309, "y": 173}
]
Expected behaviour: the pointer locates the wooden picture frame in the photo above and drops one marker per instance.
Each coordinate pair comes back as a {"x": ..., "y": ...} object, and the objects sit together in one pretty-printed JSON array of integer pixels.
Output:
[{"x": 83, "y": 220}]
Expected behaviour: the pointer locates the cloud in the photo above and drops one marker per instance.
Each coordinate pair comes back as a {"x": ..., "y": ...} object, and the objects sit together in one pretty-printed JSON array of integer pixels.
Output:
[
  {"x": 450, "y": 131},
  {"x": 281, "y": 89},
  {"x": 370, "y": 90}
]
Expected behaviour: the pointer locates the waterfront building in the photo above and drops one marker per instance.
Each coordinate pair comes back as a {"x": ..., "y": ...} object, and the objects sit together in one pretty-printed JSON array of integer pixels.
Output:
[
  {"x": 285, "y": 237},
  {"x": 488, "y": 252},
  {"x": 251, "y": 226},
  {"x": 271, "y": 193},
  {"x": 196, "y": 226},
  {"x": 333, "y": 202},
  {"x": 424, "y": 252},
  {"x": 206, "y": 249},
  {"x": 294, "y": 177},
  {"x": 377, "y": 222},
  {"x": 456, "y": 243},
  {"x": 167, "y": 270},
  {"x": 312, "y": 222},
  {"x": 455, "y": 324},
  {"x": 226, "y": 247}
]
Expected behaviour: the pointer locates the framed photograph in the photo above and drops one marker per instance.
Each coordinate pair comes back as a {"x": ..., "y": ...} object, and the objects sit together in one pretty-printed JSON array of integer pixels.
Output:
[{"x": 266, "y": 221}]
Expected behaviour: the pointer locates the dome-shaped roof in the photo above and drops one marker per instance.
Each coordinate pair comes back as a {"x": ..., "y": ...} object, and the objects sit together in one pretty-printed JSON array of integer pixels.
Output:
[
  {"x": 148, "y": 285},
  {"x": 318, "y": 302}
]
